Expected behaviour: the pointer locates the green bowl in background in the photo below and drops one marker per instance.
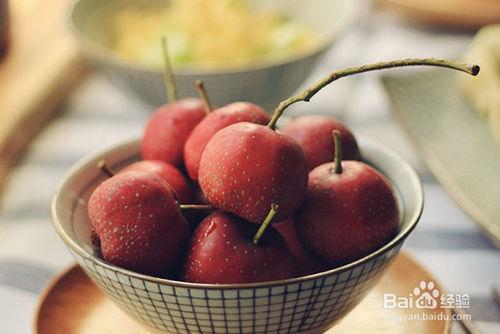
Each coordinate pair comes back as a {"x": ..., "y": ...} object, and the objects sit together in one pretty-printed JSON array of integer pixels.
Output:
[{"x": 266, "y": 83}]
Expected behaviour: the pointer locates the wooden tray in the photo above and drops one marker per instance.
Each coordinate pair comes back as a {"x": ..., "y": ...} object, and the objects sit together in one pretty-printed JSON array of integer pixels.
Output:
[
  {"x": 40, "y": 68},
  {"x": 72, "y": 304},
  {"x": 470, "y": 14}
]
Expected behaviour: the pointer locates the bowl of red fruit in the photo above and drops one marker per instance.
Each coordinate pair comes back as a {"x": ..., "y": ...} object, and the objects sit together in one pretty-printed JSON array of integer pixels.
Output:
[{"x": 215, "y": 221}]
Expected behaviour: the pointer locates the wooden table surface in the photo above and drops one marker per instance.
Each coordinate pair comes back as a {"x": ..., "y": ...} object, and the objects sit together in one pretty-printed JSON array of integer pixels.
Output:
[{"x": 40, "y": 68}]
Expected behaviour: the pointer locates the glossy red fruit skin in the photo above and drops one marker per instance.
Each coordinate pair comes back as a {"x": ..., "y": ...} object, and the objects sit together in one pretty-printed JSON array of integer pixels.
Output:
[
  {"x": 183, "y": 190},
  {"x": 222, "y": 252},
  {"x": 215, "y": 121},
  {"x": 247, "y": 167},
  {"x": 314, "y": 134},
  {"x": 346, "y": 216},
  {"x": 307, "y": 263},
  {"x": 138, "y": 223},
  {"x": 168, "y": 128}
]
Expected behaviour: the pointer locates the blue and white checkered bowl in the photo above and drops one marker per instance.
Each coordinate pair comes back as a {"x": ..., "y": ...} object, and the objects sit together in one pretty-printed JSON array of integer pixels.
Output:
[
  {"x": 308, "y": 304},
  {"x": 265, "y": 84}
]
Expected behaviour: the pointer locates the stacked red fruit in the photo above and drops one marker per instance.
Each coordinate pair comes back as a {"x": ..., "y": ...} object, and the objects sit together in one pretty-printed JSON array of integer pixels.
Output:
[
  {"x": 279, "y": 204},
  {"x": 252, "y": 176}
]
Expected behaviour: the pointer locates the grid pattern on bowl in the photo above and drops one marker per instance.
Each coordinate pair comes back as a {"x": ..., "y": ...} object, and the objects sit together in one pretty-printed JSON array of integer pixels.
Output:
[{"x": 284, "y": 308}]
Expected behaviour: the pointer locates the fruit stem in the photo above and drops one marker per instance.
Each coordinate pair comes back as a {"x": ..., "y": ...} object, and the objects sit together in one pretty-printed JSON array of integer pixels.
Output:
[
  {"x": 196, "y": 207},
  {"x": 103, "y": 166},
  {"x": 203, "y": 94},
  {"x": 265, "y": 223},
  {"x": 338, "y": 152},
  {"x": 308, "y": 93},
  {"x": 168, "y": 75}
]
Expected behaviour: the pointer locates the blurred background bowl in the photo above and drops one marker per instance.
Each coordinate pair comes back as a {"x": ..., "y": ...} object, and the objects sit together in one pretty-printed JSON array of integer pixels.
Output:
[
  {"x": 265, "y": 83},
  {"x": 306, "y": 304}
]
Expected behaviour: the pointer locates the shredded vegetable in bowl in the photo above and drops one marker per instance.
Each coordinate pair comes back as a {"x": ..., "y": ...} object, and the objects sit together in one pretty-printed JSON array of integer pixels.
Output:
[{"x": 209, "y": 34}]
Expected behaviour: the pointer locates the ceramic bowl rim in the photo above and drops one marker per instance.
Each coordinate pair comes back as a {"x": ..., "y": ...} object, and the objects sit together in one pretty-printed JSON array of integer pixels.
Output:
[
  {"x": 100, "y": 52},
  {"x": 76, "y": 247}
]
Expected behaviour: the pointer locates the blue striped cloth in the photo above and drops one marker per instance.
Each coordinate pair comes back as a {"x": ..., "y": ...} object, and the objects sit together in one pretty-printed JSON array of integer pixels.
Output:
[{"x": 446, "y": 241}]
